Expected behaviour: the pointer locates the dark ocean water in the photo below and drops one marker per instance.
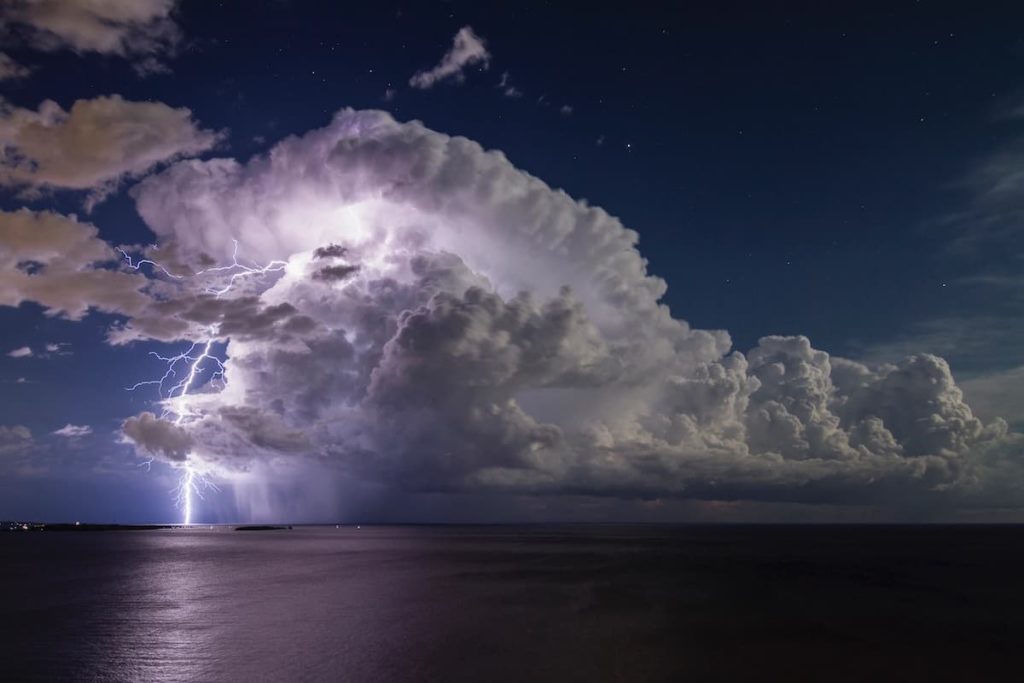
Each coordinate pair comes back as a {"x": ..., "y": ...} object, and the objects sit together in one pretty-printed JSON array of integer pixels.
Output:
[{"x": 514, "y": 604}]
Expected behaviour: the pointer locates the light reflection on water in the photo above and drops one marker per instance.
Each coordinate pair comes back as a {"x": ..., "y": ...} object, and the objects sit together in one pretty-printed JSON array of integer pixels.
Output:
[
  {"x": 509, "y": 604},
  {"x": 207, "y": 605}
]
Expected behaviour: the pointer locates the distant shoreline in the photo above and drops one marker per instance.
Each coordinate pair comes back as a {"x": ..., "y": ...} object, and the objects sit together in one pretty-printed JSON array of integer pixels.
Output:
[
  {"x": 41, "y": 526},
  {"x": 12, "y": 525}
]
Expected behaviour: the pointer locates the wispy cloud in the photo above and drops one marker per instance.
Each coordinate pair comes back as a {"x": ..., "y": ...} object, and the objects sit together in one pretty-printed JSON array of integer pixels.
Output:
[
  {"x": 506, "y": 87},
  {"x": 467, "y": 49},
  {"x": 15, "y": 440},
  {"x": 10, "y": 70},
  {"x": 70, "y": 431},
  {"x": 997, "y": 394},
  {"x": 973, "y": 342},
  {"x": 57, "y": 349}
]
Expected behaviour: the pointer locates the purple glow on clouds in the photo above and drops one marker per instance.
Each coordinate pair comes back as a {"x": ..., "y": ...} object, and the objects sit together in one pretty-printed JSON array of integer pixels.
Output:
[
  {"x": 403, "y": 311},
  {"x": 446, "y": 322}
]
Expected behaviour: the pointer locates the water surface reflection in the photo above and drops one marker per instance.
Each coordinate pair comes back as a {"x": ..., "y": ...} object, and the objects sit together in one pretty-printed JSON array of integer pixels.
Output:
[{"x": 510, "y": 604}]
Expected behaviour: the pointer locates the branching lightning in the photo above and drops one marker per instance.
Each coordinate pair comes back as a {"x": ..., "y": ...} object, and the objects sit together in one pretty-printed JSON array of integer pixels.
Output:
[{"x": 184, "y": 369}]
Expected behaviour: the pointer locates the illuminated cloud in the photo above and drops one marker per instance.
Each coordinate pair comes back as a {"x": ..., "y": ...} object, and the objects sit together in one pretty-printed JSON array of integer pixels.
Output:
[
  {"x": 449, "y": 322},
  {"x": 468, "y": 49},
  {"x": 141, "y": 29},
  {"x": 157, "y": 437},
  {"x": 49, "y": 350},
  {"x": 57, "y": 262},
  {"x": 95, "y": 145},
  {"x": 57, "y": 349},
  {"x": 185, "y": 317},
  {"x": 70, "y": 431}
]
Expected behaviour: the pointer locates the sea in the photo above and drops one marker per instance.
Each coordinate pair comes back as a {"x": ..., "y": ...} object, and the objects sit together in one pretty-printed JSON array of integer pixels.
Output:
[{"x": 514, "y": 603}]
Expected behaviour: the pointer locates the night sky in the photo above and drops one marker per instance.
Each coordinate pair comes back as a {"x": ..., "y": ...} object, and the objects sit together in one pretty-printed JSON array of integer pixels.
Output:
[{"x": 845, "y": 174}]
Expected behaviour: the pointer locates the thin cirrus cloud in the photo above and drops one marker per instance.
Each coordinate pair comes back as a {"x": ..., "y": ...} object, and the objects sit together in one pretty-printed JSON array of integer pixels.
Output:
[
  {"x": 506, "y": 87},
  {"x": 59, "y": 349},
  {"x": 468, "y": 49},
  {"x": 998, "y": 393},
  {"x": 70, "y": 431},
  {"x": 95, "y": 145},
  {"x": 982, "y": 338},
  {"x": 143, "y": 30}
]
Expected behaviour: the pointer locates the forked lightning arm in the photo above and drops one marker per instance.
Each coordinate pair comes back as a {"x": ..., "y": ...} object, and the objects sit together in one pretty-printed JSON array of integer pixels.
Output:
[{"x": 193, "y": 482}]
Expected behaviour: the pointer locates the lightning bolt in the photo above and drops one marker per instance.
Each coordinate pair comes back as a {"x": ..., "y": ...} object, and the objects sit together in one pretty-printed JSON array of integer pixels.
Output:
[{"x": 191, "y": 364}]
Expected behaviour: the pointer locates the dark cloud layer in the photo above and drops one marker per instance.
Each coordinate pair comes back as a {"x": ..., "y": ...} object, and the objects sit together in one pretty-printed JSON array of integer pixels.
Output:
[{"x": 158, "y": 437}]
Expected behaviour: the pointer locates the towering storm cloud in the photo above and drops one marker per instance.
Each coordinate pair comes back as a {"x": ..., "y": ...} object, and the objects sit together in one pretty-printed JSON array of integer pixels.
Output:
[{"x": 445, "y": 321}]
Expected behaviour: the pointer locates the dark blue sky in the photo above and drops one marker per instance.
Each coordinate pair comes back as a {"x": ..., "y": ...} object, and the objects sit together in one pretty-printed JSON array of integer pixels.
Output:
[
  {"x": 788, "y": 168},
  {"x": 798, "y": 168}
]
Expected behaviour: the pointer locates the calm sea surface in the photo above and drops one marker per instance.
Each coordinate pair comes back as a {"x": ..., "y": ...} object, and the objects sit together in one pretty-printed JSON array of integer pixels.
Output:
[{"x": 514, "y": 604}]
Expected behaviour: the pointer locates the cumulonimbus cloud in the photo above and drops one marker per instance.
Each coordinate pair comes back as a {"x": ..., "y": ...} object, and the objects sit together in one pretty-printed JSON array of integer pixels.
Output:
[{"x": 448, "y": 322}]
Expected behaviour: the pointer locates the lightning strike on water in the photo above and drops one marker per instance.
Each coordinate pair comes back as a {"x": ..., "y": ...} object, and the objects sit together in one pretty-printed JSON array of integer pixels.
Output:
[
  {"x": 187, "y": 487},
  {"x": 175, "y": 402}
]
